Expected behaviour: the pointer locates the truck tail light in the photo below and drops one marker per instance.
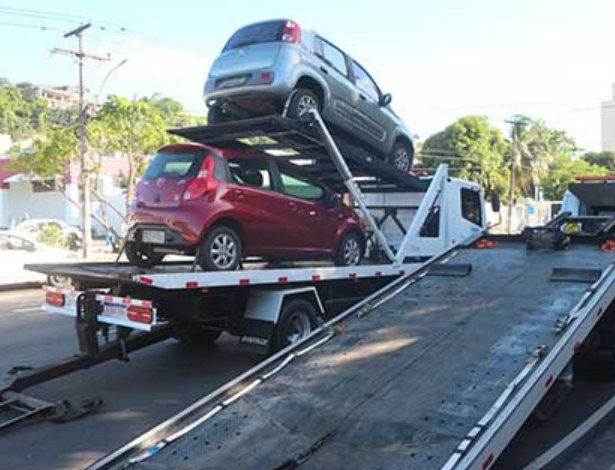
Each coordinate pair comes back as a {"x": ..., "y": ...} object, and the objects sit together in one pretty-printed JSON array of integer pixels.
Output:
[
  {"x": 55, "y": 299},
  {"x": 139, "y": 314},
  {"x": 291, "y": 33},
  {"x": 203, "y": 183}
]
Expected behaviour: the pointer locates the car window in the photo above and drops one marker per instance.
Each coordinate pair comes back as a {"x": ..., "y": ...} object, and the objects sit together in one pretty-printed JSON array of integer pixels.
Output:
[
  {"x": 300, "y": 186},
  {"x": 259, "y": 33},
  {"x": 364, "y": 82},
  {"x": 174, "y": 165},
  {"x": 332, "y": 55},
  {"x": 471, "y": 206},
  {"x": 248, "y": 172}
]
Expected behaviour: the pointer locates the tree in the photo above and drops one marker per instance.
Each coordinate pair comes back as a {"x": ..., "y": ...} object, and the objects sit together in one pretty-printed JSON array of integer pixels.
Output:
[
  {"x": 563, "y": 172},
  {"x": 604, "y": 159},
  {"x": 473, "y": 149},
  {"x": 536, "y": 148},
  {"x": 133, "y": 129}
]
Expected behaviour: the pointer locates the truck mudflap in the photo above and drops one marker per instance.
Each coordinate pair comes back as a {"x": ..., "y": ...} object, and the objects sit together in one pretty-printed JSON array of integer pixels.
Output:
[{"x": 119, "y": 311}]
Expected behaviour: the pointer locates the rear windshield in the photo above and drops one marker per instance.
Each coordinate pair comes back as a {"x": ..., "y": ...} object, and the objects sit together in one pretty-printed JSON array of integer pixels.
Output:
[
  {"x": 259, "y": 33},
  {"x": 174, "y": 165}
]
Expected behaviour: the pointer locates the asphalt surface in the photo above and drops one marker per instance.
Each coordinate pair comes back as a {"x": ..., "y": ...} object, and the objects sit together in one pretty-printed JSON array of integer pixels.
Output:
[{"x": 157, "y": 383}]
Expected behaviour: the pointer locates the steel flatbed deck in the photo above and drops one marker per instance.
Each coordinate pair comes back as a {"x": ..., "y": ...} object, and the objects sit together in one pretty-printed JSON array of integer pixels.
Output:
[
  {"x": 436, "y": 371},
  {"x": 181, "y": 275}
]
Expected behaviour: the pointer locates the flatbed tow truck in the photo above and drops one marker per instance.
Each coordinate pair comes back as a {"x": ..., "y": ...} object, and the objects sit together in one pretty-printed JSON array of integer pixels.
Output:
[
  {"x": 437, "y": 367},
  {"x": 119, "y": 308}
]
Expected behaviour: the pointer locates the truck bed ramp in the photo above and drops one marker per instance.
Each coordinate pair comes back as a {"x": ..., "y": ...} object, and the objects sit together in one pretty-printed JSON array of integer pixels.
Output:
[{"x": 431, "y": 378}]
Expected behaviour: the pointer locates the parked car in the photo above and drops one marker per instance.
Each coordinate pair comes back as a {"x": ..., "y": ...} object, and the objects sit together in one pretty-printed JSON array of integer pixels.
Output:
[
  {"x": 35, "y": 229},
  {"x": 268, "y": 66},
  {"x": 225, "y": 206}
]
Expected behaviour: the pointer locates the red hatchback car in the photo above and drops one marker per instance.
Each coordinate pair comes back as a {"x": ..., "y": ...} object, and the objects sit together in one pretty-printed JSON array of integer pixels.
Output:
[{"x": 225, "y": 206}]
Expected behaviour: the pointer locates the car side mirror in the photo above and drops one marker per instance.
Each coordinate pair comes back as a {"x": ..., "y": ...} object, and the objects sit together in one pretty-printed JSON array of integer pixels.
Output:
[
  {"x": 385, "y": 99},
  {"x": 495, "y": 202}
]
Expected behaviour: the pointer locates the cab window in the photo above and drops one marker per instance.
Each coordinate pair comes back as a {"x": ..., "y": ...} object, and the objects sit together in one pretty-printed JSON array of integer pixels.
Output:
[
  {"x": 471, "y": 208},
  {"x": 364, "y": 82},
  {"x": 332, "y": 55},
  {"x": 300, "y": 186},
  {"x": 249, "y": 172}
]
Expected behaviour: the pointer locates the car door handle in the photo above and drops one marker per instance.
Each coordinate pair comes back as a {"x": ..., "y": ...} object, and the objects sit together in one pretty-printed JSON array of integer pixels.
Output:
[
  {"x": 362, "y": 96},
  {"x": 312, "y": 213},
  {"x": 292, "y": 204},
  {"x": 238, "y": 193},
  {"x": 324, "y": 70}
]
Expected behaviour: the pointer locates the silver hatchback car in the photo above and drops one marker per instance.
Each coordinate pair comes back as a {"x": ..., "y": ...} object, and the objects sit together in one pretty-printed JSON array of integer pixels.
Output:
[{"x": 273, "y": 66}]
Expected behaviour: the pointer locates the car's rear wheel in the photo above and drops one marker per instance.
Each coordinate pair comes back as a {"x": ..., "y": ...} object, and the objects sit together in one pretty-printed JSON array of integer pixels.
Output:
[
  {"x": 297, "y": 320},
  {"x": 302, "y": 101},
  {"x": 401, "y": 156},
  {"x": 221, "y": 250},
  {"x": 350, "y": 250},
  {"x": 143, "y": 257}
]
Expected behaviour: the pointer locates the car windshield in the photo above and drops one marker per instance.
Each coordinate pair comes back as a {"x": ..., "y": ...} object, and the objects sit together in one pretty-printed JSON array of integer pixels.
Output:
[
  {"x": 174, "y": 165},
  {"x": 259, "y": 33}
]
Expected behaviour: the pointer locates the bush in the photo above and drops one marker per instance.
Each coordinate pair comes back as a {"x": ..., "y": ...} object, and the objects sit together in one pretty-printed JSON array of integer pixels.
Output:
[{"x": 52, "y": 236}]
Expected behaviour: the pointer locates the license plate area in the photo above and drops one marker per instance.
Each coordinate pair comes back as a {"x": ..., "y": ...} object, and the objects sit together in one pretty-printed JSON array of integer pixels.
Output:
[{"x": 153, "y": 236}]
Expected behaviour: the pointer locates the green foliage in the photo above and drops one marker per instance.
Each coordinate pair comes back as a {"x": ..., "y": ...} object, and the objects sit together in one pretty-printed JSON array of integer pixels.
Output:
[
  {"x": 604, "y": 159},
  {"x": 51, "y": 235},
  {"x": 563, "y": 172},
  {"x": 473, "y": 149}
]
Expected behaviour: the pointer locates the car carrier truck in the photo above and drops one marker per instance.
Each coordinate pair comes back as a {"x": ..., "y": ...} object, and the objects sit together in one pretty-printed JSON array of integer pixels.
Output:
[
  {"x": 432, "y": 360},
  {"x": 119, "y": 308}
]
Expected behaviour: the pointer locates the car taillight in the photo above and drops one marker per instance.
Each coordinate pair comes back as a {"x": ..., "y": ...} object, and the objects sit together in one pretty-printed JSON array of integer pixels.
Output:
[
  {"x": 291, "y": 33},
  {"x": 203, "y": 183},
  {"x": 56, "y": 299}
]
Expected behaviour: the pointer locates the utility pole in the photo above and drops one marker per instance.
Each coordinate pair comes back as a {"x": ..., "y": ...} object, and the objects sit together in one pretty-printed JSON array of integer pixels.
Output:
[
  {"x": 513, "y": 167},
  {"x": 84, "y": 181}
]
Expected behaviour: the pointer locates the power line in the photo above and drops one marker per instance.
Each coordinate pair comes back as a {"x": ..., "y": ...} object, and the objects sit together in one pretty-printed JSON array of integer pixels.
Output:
[{"x": 29, "y": 26}]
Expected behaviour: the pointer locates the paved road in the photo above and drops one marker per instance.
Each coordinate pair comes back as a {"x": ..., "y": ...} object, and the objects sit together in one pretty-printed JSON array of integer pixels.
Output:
[{"x": 157, "y": 383}]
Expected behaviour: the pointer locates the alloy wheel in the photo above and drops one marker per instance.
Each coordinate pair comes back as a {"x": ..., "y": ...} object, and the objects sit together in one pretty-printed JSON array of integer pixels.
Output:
[
  {"x": 352, "y": 252},
  {"x": 305, "y": 103},
  {"x": 223, "y": 251}
]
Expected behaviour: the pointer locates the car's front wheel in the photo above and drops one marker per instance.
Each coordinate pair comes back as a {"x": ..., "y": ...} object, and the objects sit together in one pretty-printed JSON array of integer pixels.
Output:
[
  {"x": 141, "y": 256},
  {"x": 221, "y": 250},
  {"x": 401, "y": 156},
  {"x": 350, "y": 251},
  {"x": 302, "y": 101}
]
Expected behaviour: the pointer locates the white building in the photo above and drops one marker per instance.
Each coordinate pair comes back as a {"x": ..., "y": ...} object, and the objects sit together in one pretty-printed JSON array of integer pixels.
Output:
[{"x": 608, "y": 123}]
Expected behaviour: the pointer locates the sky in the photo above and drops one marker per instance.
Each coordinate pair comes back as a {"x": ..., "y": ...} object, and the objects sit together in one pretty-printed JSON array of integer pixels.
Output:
[{"x": 440, "y": 59}]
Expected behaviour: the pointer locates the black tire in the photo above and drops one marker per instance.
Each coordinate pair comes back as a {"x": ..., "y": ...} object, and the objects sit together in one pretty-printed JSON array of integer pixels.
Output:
[
  {"x": 143, "y": 258},
  {"x": 297, "y": 320},
  {"x": 197, "y": 337},
  {"x": 302, "y": 101},
  {"x": 350, "y": 250},
  {"x": 401, "y": 156},
  {"x": 217, "y": 115},
  {"x": 221, "y": 250}
]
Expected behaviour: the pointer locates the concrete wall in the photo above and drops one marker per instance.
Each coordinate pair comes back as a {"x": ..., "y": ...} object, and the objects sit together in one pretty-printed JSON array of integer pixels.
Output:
[
  {"x": 608, "y": 123},
  {"x": 21, "y": 200}
]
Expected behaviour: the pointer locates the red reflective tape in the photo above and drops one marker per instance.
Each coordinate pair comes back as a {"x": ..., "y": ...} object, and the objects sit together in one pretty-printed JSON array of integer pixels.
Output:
[
  {"x": 283, "y": 279},
  {"x": 315, "y": 277},
  {"x": 577, "y": 346},
  {"x": 378, "y": 273},
  {"x": 402, "y": 272},
  {"x": 126, "y": 301},
  {"x": 146, "y": 280},
  {"x": 549, "y": 381},
  {"x": 352, "y": 275},
  {"x": 244, "y": 282},
  {"x": 192, "y": 284},
  {"x": 488, "y": 461}
]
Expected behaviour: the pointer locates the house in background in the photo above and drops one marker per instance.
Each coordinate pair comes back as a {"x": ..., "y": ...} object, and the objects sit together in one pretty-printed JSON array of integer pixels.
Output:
[{"x": 28, "y": 196}]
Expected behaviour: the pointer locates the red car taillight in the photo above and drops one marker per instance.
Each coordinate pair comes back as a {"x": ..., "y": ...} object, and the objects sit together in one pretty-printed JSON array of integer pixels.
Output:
[
  {"x": 203, "y": 183},
  {"x": 55, "y": 299},
  {"x": 291, "y": 33}
]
